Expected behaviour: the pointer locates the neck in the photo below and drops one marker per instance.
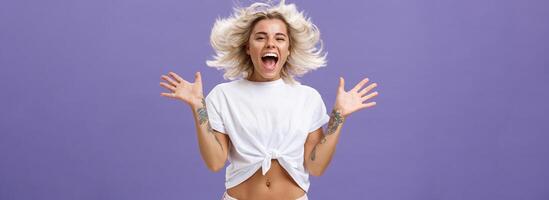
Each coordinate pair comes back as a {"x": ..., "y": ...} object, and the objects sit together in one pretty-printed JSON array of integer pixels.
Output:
[{"x": 256, "y": 78}]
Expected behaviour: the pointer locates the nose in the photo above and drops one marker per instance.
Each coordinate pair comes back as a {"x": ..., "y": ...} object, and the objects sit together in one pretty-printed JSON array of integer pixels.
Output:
[{"x": 270, "y": 43}]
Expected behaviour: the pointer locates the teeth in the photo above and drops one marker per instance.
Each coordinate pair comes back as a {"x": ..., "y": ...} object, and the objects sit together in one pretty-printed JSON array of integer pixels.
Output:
[{"x": 270, "y": 54}]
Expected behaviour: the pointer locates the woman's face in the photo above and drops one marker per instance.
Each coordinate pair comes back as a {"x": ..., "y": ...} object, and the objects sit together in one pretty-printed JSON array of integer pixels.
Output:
[{"x": 268, "y": 48}]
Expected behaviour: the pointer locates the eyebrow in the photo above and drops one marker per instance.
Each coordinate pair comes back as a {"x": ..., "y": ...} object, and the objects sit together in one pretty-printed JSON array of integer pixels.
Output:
[{"x": 264, "y": 33}]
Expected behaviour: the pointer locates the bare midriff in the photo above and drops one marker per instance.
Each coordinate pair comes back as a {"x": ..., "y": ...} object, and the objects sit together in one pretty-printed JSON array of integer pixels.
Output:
[{"x": 276, "y": 184}]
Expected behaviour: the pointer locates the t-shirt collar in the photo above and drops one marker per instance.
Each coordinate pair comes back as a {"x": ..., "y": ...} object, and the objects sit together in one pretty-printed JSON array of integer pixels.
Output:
[{"x": 279, "y": 81}]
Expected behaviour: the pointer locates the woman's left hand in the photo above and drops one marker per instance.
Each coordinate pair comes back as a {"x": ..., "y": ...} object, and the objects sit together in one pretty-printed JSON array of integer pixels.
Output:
[{"x": 354, "y": 100}]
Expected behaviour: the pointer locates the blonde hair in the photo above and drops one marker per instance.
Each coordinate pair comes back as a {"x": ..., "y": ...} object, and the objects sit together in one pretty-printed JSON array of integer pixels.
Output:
[{"x": 229, "y": 39}]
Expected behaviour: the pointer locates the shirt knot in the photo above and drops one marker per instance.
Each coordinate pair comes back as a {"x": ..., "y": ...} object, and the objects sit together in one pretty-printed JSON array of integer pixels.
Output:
[
  {"x": 266, "y": 164},
  {"x": 274, "y": 154}
]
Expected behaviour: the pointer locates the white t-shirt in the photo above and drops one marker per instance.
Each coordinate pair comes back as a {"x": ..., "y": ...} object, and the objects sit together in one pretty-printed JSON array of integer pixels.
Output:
[{"x": 264, "y": 121}]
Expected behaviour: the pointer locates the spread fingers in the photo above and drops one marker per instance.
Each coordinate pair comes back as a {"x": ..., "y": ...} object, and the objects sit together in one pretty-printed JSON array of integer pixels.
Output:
[
  {"x": 359, "y": 85},
  {"x": 367, "y": 105},
  {"x": 178, "y": 78},
  {"x": 170, "y": 80},
  {"x": 367, "y": 89},
  {"x": 167, "y": 86},
  {"x": 171, "y": 95},
  {"x": 373, "y": 94}
]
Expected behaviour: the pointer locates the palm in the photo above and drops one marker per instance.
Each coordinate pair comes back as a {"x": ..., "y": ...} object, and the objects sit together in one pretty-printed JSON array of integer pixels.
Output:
[
  {"x": 353, "y": 100},
  {"x": 190, "y": 93}
]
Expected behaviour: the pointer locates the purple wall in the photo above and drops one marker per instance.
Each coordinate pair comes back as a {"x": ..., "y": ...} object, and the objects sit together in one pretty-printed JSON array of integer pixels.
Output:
[{"x": 461, "y": 113}]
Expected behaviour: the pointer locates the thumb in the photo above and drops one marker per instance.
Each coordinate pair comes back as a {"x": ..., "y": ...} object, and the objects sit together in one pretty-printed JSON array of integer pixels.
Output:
[
  {"x": 341, "y": 84},
  {"x": 198, "y": 78}
]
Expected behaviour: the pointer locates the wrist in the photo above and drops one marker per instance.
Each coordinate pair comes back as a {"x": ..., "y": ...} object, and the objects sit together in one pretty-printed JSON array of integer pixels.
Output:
[
  {"x": 339, "y": 111},
  {"x": 337, "y": 114},
  {"x": 197, "y": 103}
]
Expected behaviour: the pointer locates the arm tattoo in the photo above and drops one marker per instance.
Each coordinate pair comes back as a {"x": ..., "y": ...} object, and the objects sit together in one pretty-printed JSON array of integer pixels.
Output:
[
  {"x": 203, "y": 115},
  {"x": 335, "y": 121},
  {"x": 203, "y": 118}
]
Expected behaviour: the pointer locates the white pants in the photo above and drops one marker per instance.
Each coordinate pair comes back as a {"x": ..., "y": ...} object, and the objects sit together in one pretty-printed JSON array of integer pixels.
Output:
[{"x": 227, "y": 197}]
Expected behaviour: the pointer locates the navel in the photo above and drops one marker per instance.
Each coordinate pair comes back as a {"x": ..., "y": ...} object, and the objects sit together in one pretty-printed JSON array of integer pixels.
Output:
[{"x": 268, "y": 182}]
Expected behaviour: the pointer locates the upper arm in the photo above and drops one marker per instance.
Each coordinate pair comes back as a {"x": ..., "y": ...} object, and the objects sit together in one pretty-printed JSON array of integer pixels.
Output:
[
  {"x": 312, "y": 140},
  {"x": 213, "y": 100}
]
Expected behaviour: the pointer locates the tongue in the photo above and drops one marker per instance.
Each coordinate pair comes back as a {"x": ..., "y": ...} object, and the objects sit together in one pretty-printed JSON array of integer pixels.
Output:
[{"x": 269, "y": 63}]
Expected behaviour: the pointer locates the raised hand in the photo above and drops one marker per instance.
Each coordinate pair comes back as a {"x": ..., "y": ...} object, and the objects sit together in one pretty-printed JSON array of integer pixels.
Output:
[
  {"x": 353, "y": 100},
  {"x": 190, "y": 93}
]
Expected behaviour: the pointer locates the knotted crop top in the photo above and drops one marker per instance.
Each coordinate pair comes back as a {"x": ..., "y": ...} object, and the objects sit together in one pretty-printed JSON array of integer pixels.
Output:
[{"x": 264, "y": 121}]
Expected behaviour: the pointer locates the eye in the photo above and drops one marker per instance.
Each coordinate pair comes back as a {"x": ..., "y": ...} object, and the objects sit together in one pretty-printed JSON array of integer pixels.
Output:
[
  {"x": 281, "y": 39},
  {"x": 259, "y": 38}
]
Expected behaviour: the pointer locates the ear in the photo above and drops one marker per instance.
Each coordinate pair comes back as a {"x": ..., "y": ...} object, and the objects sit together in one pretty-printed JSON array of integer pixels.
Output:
[{"x": 247, "y": 47}]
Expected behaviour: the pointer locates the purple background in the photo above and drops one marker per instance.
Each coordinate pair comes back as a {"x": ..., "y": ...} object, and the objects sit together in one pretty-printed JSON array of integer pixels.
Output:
[{"x": 461, "y": 112}]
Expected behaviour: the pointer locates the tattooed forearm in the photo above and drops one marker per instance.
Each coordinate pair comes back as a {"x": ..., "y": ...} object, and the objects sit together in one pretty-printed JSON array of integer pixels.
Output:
[
  {"x": 335, "y": 121},
  {"x": 203, "y": 119},
  {"x": 203, "y": 115}
]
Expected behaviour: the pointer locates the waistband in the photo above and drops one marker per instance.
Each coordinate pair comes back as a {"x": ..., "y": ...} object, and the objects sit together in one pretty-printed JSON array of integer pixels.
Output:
[{"x": 227, "y": 197}]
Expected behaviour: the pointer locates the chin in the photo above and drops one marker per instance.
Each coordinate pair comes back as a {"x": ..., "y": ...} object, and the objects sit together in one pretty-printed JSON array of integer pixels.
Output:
[{"x": 270, "y": 75}]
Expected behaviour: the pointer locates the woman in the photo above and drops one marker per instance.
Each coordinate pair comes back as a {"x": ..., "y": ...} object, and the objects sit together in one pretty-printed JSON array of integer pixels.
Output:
[{"x": 265, "y": 123}]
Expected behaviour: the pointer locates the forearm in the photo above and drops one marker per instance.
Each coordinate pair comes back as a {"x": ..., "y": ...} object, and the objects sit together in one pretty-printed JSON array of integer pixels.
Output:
[
  {"x": 213, "y": 153},
  {"x": 323, "y": 151}
]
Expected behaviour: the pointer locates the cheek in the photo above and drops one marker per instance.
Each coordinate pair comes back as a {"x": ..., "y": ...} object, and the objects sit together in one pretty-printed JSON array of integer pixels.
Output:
[
  {"x": 253, "y": 48},
  {"x": 287, "y": 48}
]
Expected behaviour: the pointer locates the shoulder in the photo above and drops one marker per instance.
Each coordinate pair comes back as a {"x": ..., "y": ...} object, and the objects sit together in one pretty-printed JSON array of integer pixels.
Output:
[
  {"x": 219, "y": 88},
  {"x": 307, "y": 90}
]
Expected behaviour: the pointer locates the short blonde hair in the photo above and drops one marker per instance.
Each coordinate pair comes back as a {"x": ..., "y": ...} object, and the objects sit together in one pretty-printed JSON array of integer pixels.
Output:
[{"x": 229, "y": 39}]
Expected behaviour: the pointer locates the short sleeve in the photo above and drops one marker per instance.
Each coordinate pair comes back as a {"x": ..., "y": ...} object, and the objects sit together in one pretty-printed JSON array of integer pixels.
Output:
[
  {"x": 318, "y": 112},
  {"x": 213, "y": 105}
]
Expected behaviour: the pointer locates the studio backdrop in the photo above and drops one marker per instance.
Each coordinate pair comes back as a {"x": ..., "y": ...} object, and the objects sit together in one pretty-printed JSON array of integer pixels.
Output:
[{"x": 462, "y": 110}]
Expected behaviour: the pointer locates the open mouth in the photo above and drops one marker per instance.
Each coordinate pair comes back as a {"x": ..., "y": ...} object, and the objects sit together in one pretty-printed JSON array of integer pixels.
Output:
[{"x": 269, "y": 60}]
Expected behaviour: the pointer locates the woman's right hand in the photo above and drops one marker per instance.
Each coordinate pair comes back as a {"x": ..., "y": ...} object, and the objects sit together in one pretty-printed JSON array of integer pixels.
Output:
[{"x": 190, "y": 93}]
